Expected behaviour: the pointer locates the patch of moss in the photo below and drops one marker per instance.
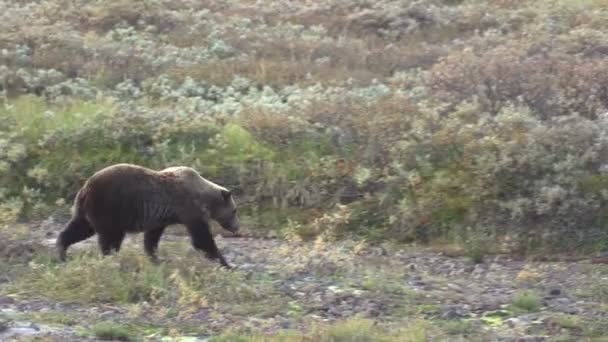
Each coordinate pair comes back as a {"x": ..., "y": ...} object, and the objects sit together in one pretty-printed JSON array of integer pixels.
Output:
[{"x": 110, "y": 331}]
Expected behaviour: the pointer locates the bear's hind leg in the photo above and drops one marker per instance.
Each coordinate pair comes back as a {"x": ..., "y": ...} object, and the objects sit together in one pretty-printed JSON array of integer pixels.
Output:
[
  {"x": 76, "y": 230},
  {"x": 203, "y": 240},
  {"x": 151, "y": 239},
  {"x": 110, "y": 242}
]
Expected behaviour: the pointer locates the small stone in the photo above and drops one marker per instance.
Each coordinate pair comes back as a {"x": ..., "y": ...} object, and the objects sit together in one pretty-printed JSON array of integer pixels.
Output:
[
  {"x": 478, "y": 269},
  {"x": 411, "y": 267},
  {"x": 454, "y": 312},
  {"x": 309, "y": 288},
  {"x": 372, "y": 313},
  {"x": 555, "y": 292},
  {"x": 513, "y": 322},
  {"x": 498, "y": 313},
  {"x": 573, "y": 311},
  {"x": 6, "y": 300},
  {"x": 23, "y": 331},
  {"x": 454, "y": 287},
  {"x": 347, "y": 313},
  {"x": 3, "y": 325},
  {"x": 494, "y": 267},
  {"x": 488, "y": 307},
  {"x": 532, "y": 339},
  {"x": 26, "y": 325},
  {"x": 107, "y": 314}
]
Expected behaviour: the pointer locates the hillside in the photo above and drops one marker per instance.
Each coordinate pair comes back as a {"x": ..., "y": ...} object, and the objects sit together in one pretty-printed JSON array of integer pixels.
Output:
[{"x": 475, "y": 129}]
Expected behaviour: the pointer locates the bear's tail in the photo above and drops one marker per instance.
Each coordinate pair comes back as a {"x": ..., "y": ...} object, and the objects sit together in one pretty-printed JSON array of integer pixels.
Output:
[{"x": 81, "y": 197}]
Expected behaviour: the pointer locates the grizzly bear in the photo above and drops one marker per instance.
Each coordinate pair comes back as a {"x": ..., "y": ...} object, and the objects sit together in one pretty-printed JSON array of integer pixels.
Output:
[{"x": 126, "y": 198}]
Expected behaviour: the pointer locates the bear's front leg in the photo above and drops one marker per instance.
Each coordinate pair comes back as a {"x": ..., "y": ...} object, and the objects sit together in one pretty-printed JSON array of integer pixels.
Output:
[
  {"x": 151, "y": 239},
  {"x": 202, "y": 239}
]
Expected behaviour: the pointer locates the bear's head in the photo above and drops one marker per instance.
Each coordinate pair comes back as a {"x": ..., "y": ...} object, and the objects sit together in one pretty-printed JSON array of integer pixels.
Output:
[
  {"x": 224, "y": 212},
  {"x": 215, "y": 200}
]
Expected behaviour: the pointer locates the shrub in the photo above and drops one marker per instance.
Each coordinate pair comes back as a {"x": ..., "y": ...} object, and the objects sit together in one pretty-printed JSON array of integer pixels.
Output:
[
  {"x": 109, "y": 331},
  {"x": 423, "y": 118},
  {"x": 551, "y": 83},
  {"x": 527, "y": 301}
]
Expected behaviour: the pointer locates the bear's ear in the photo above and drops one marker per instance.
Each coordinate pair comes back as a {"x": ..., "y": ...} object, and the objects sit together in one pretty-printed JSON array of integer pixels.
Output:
[{"x": 226, "y": 194}]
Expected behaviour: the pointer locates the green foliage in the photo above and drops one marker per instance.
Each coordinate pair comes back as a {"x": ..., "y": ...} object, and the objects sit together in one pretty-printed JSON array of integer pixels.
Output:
[
  {"x": 477, "y": 244},
  {"x": 352, "y": 330},
  {"x": 527, "y": 301},
  {"x": 110, "y": 331},
  {"x": 79, "y": 280},
  {"x": 356, "y": 330},
  {"x": 129, "y": 277},
  {"x": 568, "y": 322},
  {"x": 423, "y": 117},
  {"x": 457, "y": 327}
]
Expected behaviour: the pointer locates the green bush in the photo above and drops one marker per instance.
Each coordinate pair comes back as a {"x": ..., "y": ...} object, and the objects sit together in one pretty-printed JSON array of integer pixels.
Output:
[
  {"x": 423, "y": 118},
  {"x": 109, "y": 331},
  {"x": 527, "y": 301}
]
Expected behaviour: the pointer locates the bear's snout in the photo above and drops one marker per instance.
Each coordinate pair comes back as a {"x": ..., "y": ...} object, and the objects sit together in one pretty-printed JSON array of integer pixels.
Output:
[{"x": 232, "y": 225}]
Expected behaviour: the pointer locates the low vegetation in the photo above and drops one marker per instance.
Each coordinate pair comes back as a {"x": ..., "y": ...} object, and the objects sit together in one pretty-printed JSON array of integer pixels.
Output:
[
  {"x": 478, "y": 125},
  {"x": 108, "y": 331},
  {"x": 428, "y": 120},
  {"x": 527, "y": 301}
]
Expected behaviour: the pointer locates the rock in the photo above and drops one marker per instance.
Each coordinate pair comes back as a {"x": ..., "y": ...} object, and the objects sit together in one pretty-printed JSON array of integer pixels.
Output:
[
  {"x": 600, "y": 260},
  {"x": 555, "y": 292},
  {"x": 494, "y": 267},
  {"x": 454, "y": 312},
  {"x": 478, "y": 270},
  {"x": 310, "y": 288},
  {"x": 417, "y": 283},
  {"x": 454, "y": 287},
  {"x": 18, "y": 330},
  {"x": 3, "y": 325},
  {"x": 6, "y": 300},
  {"x": 572, "y": 310},
  {"x": 513, "y": 322},
  {"x": 488, "y": 307},
  {"x": 498, "y": 313},
  {"x": 107, "y": 314},
  {"x": 411, "y": 267},
  {"x": 335, "y": 289},
  {"x": 346, "y": 313},
  {"x": 532, "y": 339}
]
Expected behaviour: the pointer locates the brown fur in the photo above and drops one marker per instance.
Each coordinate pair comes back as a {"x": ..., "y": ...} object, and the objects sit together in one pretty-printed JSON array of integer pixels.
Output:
[{"x": 127, "y": 198}]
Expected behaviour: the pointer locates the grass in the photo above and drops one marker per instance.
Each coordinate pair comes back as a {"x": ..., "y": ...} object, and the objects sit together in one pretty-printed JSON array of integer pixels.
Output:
[
  {"x": 127, "y": 278},
  {"x": 33, "y": 117},
  {"x": 54, "y": 318},
  {"x": 457, "y": 327},
  {"x": 185, "y": 281},
  {"x": 110, "y": 331},
  {"x": 351, "y": 330},
  {"x": 568, "y": 322},
  {"x": 527, "y": 301},
  {"x": 600, "y": 293}
]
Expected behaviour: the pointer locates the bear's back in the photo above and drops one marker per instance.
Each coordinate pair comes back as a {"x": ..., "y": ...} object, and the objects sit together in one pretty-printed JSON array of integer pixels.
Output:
[{"x": 126, "y": 193}]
